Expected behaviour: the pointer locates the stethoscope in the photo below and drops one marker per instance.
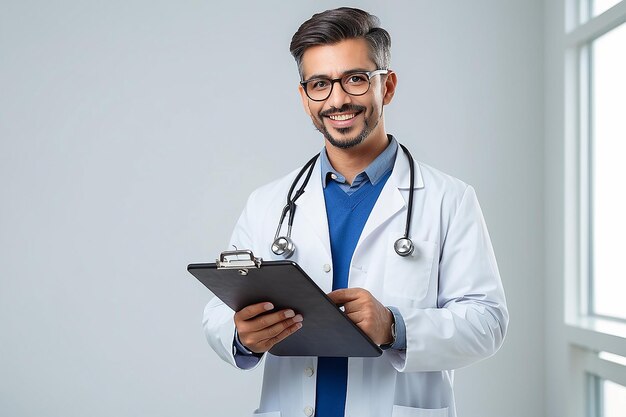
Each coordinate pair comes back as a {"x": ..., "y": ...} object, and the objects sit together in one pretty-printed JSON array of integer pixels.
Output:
[{"x": 284, "y": 246}]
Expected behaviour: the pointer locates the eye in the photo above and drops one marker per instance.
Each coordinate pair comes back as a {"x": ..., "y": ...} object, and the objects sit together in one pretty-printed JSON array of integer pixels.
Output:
[
  {"x": 356, "y": 79},
  {"x": 319, "y": 84}
]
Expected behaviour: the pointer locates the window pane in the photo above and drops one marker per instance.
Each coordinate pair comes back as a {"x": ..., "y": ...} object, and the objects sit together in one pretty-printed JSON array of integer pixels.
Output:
[
  {"x": 614, "y": 399},
  {"x": 601, "y": 6},
  {"x": 608, "y": 192},
  {"x": 611, "y": 357}
]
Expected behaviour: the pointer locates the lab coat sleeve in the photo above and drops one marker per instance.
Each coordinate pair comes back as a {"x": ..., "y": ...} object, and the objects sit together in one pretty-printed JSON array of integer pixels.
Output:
[
  {"x": 471, "y": 318},
  {"x": 218, "y": 323}
]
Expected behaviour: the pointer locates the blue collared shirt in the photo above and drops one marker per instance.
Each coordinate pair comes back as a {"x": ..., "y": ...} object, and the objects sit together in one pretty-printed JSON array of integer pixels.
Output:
[{"x": 373, "y": 173}]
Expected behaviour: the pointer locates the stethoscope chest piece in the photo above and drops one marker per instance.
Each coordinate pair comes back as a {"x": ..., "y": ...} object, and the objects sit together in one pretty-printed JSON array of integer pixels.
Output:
[
  {"x": 403, "y": 246},
  {"x": 283, "y": 246}
]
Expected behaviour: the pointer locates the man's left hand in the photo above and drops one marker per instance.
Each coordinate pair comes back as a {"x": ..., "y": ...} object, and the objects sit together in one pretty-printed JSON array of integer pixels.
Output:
[{"x": 366, "y": 312}]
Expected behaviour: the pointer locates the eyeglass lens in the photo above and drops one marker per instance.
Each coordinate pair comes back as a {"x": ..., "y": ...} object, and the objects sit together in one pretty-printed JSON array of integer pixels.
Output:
[{"x": 355, "y": 84}]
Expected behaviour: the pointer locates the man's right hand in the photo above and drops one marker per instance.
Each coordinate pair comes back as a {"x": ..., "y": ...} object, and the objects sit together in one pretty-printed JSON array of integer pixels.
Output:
[{"x": 259, "y": 330}]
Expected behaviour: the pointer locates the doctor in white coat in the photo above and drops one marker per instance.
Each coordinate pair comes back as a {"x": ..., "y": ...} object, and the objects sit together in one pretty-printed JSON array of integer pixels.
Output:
[{"x": 446, "y": 295}]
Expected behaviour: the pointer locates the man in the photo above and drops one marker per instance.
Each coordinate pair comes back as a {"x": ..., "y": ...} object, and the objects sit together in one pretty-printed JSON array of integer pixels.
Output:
[{"x": 439, "y": 308}]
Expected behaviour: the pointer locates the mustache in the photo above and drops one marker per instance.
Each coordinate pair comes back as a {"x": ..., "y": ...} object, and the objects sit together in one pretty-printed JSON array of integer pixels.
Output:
[{"x": 343, "y": 109}]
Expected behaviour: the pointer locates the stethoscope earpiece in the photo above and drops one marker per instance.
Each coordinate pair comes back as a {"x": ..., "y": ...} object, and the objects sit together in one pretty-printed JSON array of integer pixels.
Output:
[{"x": 404, "y": 246}]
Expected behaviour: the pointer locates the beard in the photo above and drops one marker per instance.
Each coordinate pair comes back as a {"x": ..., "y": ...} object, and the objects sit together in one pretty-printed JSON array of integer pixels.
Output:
[{"x": 370, "y": 124}]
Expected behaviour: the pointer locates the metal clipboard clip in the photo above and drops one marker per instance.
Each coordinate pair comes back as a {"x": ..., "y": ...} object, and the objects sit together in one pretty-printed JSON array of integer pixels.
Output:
[{"x": 241, "y": 264}]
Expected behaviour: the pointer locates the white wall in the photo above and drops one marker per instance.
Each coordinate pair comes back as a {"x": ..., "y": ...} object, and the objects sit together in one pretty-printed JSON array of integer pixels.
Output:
[
  {"x": 131, "y": 133},
  {"x": 556, "y": 348}
]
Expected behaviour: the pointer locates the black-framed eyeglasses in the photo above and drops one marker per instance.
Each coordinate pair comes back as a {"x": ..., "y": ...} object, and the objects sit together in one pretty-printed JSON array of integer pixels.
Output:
[{"x": 354, "y": 83}]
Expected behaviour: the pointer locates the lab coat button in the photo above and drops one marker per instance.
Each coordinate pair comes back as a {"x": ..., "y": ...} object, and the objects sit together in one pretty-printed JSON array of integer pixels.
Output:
[
  {"x": 308, "y": 411},
  {"x": 326, "y": 268},
  {"x": 309, "y": 372}
]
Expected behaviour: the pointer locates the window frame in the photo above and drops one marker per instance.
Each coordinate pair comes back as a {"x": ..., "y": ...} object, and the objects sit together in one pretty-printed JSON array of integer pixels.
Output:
[{"x": 586, "y": 334}]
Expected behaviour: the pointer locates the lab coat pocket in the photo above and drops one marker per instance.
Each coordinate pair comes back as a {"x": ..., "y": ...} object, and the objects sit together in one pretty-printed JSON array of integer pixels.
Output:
[
  {"x": 409, "y": 277},
  {"x": 270, "y": 414},
  {"x": 401, "y": 411}
]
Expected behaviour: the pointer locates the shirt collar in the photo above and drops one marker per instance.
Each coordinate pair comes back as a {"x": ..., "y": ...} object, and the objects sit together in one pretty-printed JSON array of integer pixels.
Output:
[{"x": 374, "y": 171}]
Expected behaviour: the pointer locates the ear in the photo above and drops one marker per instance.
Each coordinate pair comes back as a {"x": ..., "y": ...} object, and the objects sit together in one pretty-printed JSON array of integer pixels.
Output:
[
  {"x": 305, "y": 99},
  {"x": 390, "y": 87}
]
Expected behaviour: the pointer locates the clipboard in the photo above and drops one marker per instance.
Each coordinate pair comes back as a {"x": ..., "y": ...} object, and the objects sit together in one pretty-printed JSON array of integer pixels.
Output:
[{"x": 326, "y": 331}]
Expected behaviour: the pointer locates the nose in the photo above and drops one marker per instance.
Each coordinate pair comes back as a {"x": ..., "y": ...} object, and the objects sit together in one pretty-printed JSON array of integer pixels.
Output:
[{"x": 338, "y": 97}]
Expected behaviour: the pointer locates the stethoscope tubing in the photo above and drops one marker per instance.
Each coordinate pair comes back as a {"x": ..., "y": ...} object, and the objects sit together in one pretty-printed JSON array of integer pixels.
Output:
[
  {"x": 283, "y": 245},
  {"x": 409, "y": 212}
]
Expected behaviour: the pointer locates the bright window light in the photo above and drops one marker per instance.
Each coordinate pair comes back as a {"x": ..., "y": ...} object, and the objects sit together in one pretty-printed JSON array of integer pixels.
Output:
[
  {"x": 601, "y": 6},
  {"x": 607, "y": 356},
  {"x": 608, "y": 177},
  {"x": 613, "y": 399}
]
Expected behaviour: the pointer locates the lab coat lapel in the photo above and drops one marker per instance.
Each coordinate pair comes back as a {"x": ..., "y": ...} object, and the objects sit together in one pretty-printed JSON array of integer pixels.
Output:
[
  {"x": 391, "y": 201},
  {"x": 311, "y": 207}
]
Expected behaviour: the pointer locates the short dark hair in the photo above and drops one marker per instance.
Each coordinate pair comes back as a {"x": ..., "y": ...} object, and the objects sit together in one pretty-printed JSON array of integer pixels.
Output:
[{"x": 336, "y": 25}]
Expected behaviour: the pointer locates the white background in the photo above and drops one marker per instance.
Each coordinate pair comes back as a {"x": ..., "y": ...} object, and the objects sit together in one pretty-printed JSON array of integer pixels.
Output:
[{"x": 131, "y": 133}]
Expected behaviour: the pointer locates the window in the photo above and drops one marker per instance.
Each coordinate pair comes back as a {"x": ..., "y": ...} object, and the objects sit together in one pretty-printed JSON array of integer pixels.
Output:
[{"x": 596, "y": 275}]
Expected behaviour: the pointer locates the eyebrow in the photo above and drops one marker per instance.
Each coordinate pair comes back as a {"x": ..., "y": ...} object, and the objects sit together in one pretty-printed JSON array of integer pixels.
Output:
[{"x": 350, "y": 71}]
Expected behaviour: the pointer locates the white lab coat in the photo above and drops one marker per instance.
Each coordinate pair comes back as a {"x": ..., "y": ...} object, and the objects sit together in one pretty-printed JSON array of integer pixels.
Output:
[{"x": 448, "y": 292}]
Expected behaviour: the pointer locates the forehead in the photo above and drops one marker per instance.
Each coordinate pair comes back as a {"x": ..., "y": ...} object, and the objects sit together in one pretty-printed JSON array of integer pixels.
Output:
[{"x": 335, "y": 59}]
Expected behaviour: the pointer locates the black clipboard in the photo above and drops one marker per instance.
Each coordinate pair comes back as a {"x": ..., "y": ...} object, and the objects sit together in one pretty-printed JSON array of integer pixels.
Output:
[{"x": 326, "y": 330}]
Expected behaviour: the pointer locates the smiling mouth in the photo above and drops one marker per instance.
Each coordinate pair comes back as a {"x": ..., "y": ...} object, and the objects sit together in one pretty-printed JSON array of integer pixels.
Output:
[{"x": 342, "y": 117}]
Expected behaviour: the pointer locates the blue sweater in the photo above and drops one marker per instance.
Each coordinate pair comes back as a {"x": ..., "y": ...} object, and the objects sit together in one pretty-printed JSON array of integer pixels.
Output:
[{"x": 347, "y": 214}]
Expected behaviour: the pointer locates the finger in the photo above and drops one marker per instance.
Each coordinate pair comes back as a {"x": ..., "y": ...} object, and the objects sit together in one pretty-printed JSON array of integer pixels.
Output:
[
  {"x": 361, "y": 309},
  {"x": 278, "y": 328},
  {"x": 253, "y": 310},
  {"x": 269, "y": 343},
  {"x": 356, "y": 317},
  {"x": 263, "y": 340},
  {"x": 266, "y": 321},
  {"x": 352, "y": 307}
]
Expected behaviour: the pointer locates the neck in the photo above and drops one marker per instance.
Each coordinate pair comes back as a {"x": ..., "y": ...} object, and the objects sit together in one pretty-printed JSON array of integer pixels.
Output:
[{"x": 350, "y": 162}]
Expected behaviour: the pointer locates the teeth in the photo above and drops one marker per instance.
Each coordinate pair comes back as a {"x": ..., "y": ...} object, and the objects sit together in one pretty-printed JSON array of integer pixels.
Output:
[{"x": 342, "y": 116}]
